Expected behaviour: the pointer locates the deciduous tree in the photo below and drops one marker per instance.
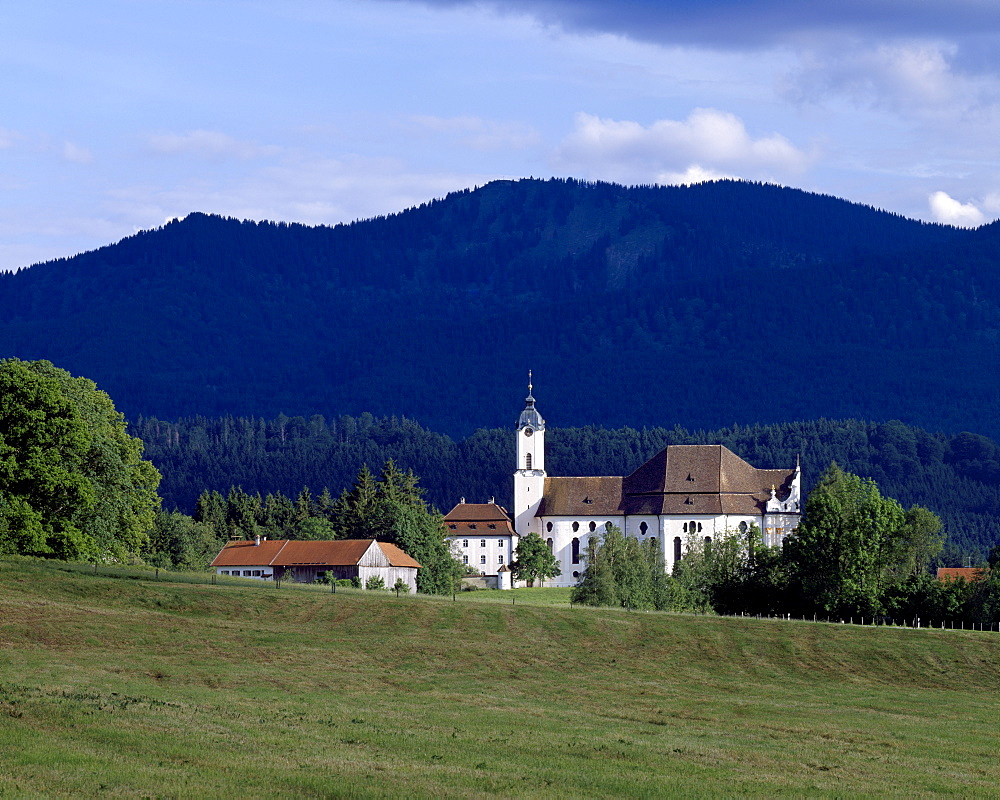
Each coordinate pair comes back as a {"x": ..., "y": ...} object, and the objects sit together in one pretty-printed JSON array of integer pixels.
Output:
[{"x": 533, "y": 561}]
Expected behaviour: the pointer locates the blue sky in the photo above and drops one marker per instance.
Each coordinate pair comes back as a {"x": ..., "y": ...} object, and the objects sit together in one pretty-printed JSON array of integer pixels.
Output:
[{"x": 116, "y": 115}]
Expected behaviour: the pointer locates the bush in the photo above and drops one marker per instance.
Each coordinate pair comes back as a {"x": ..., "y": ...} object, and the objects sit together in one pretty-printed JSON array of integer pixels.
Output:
[
  {"x": 347, "y": 583},
  {"x": 375, "y": 583},
  {"x": 401, "y": 586}
]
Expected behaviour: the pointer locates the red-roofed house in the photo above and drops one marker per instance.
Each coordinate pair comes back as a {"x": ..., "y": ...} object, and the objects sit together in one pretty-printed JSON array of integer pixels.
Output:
[
  {"x": 482, "y": 535},
  {"x": 305, "y": 561}
]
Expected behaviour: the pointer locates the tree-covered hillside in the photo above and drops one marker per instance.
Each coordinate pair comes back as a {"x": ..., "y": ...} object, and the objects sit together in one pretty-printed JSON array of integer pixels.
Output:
[
  {"x": 710, "y": 304},
  {"x": 956, "y": 476}
]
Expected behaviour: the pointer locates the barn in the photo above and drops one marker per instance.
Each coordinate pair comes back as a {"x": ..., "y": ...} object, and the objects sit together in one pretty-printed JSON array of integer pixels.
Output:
[{"x": 306, "y": 561}]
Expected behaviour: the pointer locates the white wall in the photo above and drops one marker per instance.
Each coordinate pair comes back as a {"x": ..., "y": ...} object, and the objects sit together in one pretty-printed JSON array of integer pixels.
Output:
[{"x": 475, "y": 552}]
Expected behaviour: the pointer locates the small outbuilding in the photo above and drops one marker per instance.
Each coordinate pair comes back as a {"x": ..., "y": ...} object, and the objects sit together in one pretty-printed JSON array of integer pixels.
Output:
[{"x": 307, "y": 561}]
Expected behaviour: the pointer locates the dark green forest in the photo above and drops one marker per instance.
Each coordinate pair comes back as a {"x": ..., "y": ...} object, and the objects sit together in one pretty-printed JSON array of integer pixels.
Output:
[
  {"x": 719, "y": 303},
  {"x": 957, "y": 476}
]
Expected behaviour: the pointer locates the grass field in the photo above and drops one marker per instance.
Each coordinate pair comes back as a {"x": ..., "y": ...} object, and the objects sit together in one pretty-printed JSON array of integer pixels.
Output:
[{"x": 110, "y": 685}]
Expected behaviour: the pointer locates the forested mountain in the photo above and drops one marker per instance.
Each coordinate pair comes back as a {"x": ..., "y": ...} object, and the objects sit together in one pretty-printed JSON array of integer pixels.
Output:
[
  {"x": 701, "y": 306},
  {"x": 956, "y": 476}
]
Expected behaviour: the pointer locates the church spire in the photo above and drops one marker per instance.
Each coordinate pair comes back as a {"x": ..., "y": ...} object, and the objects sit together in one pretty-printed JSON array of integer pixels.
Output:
[{"x": 530, "y": 418}]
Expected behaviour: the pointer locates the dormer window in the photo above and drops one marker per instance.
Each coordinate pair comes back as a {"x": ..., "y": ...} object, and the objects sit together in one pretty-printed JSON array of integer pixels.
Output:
[
  {"x": 473, "y": 526},
  {"x": 587, "y": 500},
  {"x": 492, "y": 527},
  {"x": 453, "y": 526}
]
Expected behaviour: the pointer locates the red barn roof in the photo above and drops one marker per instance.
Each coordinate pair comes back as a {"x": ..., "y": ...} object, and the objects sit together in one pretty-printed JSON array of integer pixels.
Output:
[
  {"x": 969, "y": 574},
  {"x": 288, "y": 553}
]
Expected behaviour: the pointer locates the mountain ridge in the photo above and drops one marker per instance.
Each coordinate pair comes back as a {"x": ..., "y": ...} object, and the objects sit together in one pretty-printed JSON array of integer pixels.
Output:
[{"x": 701, "y": 305}]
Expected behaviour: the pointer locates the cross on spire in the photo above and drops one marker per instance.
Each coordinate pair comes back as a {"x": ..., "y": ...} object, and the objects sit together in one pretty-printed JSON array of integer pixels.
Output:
[{"x": 529, "y": 381}]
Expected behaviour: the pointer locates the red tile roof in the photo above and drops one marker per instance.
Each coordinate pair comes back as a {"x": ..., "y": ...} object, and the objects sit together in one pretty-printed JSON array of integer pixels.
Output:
[
  {"x": 288, "y": 553},
  {"x": 478, "y": 519},
  {"x": 343, "y": 553},
  {"x": 244, "y": 554},
  {"x": 969, "y": 574},
  {"x": 477, "y": 512},
  {"x": 397, "y": 557}
]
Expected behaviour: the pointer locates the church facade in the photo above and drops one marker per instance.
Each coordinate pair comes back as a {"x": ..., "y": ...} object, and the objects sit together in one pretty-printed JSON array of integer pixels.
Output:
[{"x": 684, "y": 494}]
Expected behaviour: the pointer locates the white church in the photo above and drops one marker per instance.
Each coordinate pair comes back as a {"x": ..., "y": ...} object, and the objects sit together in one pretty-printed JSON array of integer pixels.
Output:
[{"x": 683, "y": 493}]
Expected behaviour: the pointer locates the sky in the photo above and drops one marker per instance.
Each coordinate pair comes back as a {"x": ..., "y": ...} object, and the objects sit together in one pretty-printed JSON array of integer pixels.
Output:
[{"x": 119, "y": 115}]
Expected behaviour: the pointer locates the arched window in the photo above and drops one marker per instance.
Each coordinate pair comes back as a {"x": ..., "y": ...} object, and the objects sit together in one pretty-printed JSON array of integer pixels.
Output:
[
  {"x": 685, "y": 527},
  {"x": 593, "y": 527},
  {"x": 549, "y": 543},
  {"x": 677, "y": 548},
  {"x": 643, "y": 527},
  {"x": 692, "y": 526},
  {"x": 527, "y": 461},
  {"x": 576, "y": 551},
  {"x": 743, "y": 527},
  {"x": 576, "y": 527},
  {"x": 708, "y": 545},
  {"x": 653, "y": 540},
  {"x": 608, "y": 526},
  {"x": 548, "y": 527}
]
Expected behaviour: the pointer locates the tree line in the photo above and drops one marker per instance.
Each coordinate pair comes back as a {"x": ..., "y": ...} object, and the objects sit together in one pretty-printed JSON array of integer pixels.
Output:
[{"x": 955, "y": 475}]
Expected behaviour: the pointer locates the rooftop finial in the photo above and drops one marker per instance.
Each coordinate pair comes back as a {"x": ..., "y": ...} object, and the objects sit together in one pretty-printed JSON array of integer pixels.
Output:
[{"x": 529, "y": 381}]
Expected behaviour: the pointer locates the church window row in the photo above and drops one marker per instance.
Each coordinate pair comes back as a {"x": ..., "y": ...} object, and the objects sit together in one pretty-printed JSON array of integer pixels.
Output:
[
  {"x": 689, "y": 527},
  {"x": 482, "y": 543}
]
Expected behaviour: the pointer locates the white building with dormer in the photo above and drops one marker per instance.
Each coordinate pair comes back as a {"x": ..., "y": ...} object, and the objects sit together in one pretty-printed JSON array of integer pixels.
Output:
[{"x": 684, "y": 493}]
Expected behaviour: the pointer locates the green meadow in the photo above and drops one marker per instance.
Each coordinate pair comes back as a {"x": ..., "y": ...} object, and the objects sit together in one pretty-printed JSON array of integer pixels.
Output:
[{"x": 118, "y": 684}]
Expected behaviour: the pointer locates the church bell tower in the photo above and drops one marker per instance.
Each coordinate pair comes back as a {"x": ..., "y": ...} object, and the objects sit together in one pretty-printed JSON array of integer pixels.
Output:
[{"x": 529, "y": 477}]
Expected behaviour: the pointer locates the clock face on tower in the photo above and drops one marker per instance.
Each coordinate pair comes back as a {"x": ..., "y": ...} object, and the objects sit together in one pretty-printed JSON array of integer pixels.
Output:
[{"x": 528, "y": 431}]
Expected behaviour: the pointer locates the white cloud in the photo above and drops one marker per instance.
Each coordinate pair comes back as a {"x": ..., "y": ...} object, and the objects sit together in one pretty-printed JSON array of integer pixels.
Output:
[
  {"x": 208, "y": 144},
  {"x": 76, "y": 154},
  {"x": 949, "y": 211},
  {"x": 693, "y": 174},
  {"x": 709, "y": 143},
  {"x": 481, "y": 134}
]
